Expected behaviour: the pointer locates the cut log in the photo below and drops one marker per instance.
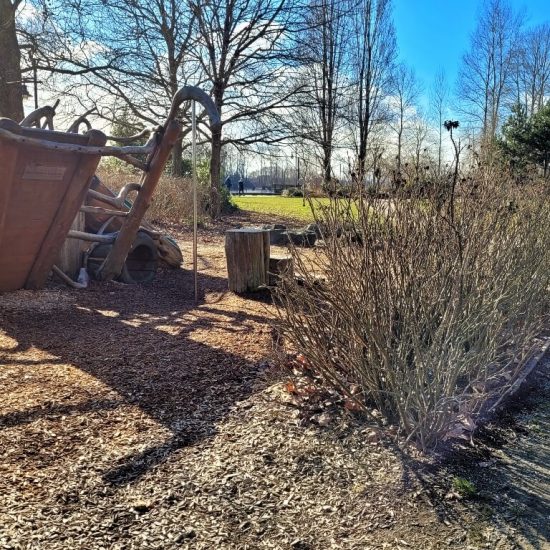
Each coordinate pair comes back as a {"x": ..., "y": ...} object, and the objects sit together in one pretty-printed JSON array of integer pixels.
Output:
[
  {"x": 247, "y": 254},
  {"x": 279, "y": 266}
]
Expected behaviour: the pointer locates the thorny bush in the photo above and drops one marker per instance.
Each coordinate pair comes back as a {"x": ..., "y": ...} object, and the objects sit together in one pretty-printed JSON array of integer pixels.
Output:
[{"x": 419, "y": 309}]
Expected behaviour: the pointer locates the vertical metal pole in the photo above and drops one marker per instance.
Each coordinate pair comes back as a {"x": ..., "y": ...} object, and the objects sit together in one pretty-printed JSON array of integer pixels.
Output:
[
  {"x": 195, "y": 183},
  {"x": 303, "y": 182},
  {"x": 35, "y": 79}
]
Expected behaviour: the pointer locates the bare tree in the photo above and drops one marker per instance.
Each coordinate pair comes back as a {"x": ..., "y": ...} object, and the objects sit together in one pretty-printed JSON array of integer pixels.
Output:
[
  {"x": 420, "y": 132},
  {"x": 118, "y": 55},
  {"x": 136, "y": 53},
  {"x": 372, "y": 54},
  {"x": 241, "y": 49},
  {"x": 11, "y": 100},
  {"x": 485, "y": 75},
  {"x": 405, "y": 94},
  {"x": 439, "y": 98},
  {"x": 322, "y": 55},
  {"x": 532, "y": 68}
]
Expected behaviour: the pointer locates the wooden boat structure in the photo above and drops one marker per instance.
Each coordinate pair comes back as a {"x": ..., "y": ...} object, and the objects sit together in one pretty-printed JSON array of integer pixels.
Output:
[{"x": 54, "y": 209}]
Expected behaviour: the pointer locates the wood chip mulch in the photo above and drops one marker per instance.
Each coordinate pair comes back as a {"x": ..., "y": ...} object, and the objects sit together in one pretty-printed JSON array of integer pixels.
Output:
[{"x": 133, "y": 418}]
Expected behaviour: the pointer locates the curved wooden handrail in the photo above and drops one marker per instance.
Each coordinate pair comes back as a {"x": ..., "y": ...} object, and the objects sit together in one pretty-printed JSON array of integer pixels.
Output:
[
  {"x": 74, "y": 128},
  {"x": 125, "y": 152},
  {"x": 188, "y": 93}
]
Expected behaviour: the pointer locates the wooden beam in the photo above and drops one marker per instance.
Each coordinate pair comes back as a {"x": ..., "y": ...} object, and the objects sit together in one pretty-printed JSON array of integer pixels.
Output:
[
  {"x": 112, "y": 266},
  {"x": 100, "y": 210},
  {"x": 90, "y": 237},
  {"x": 90, "y": 149},
  {"x": 117, "y": 201}
]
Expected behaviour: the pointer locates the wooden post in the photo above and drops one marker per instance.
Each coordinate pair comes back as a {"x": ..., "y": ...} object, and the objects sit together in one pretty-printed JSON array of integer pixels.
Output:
[
  {"x": 70, "y": 256},
  {"x": 247, "y": 254}
]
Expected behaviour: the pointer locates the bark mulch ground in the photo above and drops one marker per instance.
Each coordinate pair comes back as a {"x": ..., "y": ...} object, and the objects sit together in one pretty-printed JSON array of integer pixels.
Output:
[{"x": 133, "y": 418}]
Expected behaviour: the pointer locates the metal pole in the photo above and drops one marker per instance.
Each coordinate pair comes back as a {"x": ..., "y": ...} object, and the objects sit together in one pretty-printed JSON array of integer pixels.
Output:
[
  {"x": 195, "y": 221},
  {"x": 35, "y": 79},
  {"x": 303, "y": 182}
]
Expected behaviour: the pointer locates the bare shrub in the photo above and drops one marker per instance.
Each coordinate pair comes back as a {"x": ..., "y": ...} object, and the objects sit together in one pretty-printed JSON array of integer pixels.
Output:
[
  {"x": 426, "y": 311},
  {"x": 173, "y": 198},
  {"x": 173, "y": 201}
]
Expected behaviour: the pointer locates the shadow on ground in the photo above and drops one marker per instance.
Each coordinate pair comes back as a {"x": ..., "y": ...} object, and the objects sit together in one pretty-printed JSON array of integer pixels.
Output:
[
  {"x": 187, "y": 367},
  {"x": 140, "y": 341},
  {"x": 508, "y": 462}
]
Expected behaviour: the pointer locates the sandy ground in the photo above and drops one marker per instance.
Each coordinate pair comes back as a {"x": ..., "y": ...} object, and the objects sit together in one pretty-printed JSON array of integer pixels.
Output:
[{"x": 133, "y": 418}]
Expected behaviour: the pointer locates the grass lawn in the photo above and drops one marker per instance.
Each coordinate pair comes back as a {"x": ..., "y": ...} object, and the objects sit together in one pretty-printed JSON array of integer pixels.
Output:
[{"x": 286, "y": 207}]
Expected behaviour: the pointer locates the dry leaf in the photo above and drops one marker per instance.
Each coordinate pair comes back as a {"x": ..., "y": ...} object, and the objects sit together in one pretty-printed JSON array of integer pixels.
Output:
[
  {"x": 323, "y": 419},
  {"x": 351, "y": 405},
  {"x": 290, "y": 387}
]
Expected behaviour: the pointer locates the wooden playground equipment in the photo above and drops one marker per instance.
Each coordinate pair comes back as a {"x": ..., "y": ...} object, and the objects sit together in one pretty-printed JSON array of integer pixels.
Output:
[{"x": 47, "y": 180}]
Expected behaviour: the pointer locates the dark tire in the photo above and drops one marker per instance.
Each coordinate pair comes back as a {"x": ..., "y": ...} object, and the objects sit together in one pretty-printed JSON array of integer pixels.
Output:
[
  {"x": 142, "y": 261},
  {"x": 140, "y": 265}
]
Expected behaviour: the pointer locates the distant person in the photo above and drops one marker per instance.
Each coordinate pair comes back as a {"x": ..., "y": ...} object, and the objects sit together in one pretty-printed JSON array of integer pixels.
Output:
[
  {"x": 241, "y": 187},
  {"x": 227, "y": 184}
]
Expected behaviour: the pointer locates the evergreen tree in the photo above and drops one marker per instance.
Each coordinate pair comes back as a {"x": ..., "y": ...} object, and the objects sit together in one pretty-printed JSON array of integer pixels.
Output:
[
  {"x": 539, "y": 141},
  {"x": 514, "y": 143}
]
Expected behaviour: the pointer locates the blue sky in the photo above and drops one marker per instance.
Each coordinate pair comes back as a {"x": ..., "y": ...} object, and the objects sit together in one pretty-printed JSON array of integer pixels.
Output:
[{"x": 435, "y": 33}]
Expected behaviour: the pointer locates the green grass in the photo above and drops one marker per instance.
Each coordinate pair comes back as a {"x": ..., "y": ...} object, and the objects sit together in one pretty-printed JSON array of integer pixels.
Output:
[
  {"x": 285, "y": 207},
  {"x": 464, "y": 487}
]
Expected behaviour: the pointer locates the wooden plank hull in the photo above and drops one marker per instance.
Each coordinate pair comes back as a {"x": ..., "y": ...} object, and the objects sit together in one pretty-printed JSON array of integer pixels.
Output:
[{"x": 40, "y": 194}]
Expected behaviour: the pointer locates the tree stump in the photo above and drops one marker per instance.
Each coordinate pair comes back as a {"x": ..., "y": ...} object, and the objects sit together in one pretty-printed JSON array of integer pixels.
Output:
[
  {"x": 247, "y": 254},
  {"x": 279, "y": 266}
]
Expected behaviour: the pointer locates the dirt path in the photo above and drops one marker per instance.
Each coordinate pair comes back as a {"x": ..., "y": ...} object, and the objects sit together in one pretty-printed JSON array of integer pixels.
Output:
[{"x": 131, "y": 418}]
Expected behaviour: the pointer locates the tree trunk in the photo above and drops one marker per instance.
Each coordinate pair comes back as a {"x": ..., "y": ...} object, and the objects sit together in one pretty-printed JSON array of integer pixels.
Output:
[
  {"x": 11, "y": 100},
  {"x": 361, "y": 169},
  {"x": 177, "y": 151},
  {"x": 327, "y": 168},
  {"x": 363, "y": 143},
  {"x": 215, "y": 172},
  {"x": 400, "y": 141}
]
